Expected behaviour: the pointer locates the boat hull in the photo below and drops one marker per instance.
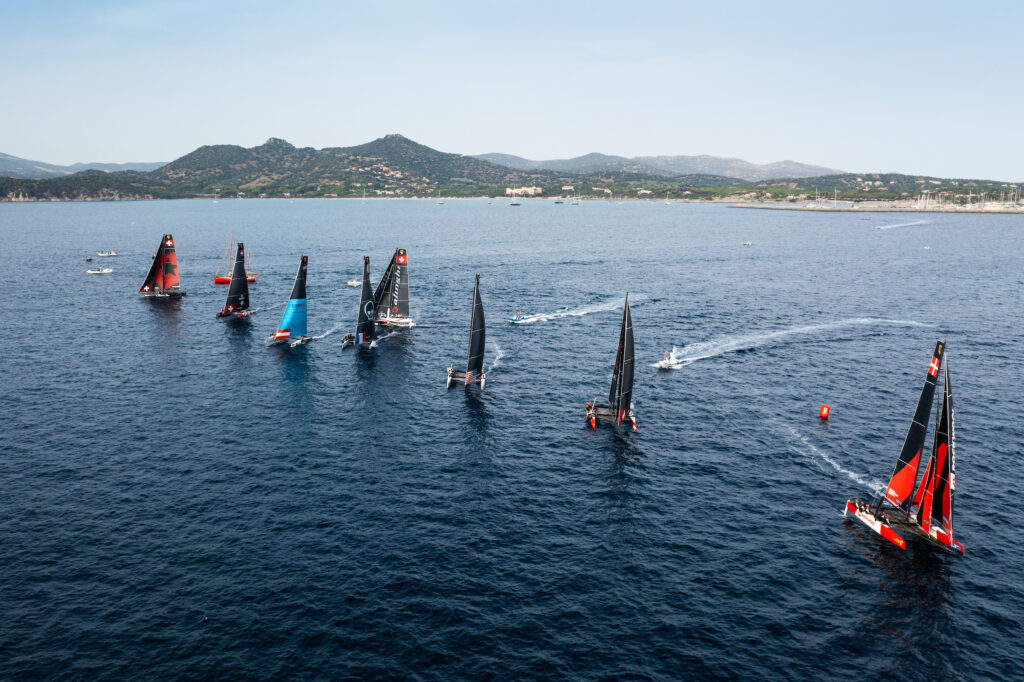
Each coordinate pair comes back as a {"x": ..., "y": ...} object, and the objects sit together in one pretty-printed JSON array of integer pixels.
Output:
[
  {"x": 605, "y": 413},
  {"x": 163, "y": 294},
  {"x": 875, "y": 524},
  {"x": 403, "y": 322},
  {"x": 458, "y": 376},
  {"x": 217, "y": 279}
]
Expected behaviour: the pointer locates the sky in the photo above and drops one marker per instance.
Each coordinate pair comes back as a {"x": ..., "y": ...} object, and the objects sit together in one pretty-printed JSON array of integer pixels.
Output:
[{"x": 928, "y": 88}]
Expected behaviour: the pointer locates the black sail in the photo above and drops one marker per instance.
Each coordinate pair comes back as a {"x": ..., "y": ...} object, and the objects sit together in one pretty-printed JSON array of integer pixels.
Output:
[
  {"x": 475, "y": 363},
  {"x": 238, "y": 290},
  {"x": 383, "y": 291},
  {"x": 391, "y": 298},
  {"x": 613, "y": 392},
  {"x": 904, "y": 475},
  {"x": 941, "y": 511},
  {"x": 299, "y": 288},
  {"x": 364, "y": 323},
  {"x": 625, "y": 396}
]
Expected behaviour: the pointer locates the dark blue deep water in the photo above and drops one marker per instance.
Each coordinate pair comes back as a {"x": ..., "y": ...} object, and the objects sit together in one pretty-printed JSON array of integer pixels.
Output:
[{"x": 177, "y": 499}]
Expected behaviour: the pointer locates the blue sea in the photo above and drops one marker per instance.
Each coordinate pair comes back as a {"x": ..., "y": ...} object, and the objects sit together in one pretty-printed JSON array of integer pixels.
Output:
[{"x": 180, "y": 500}]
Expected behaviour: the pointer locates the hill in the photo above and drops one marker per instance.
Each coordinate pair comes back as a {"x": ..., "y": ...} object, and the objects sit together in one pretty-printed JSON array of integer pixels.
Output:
[
  {"x": 15, "y": 167},
  {"x": 666, "y": 166},
  {"x": 396, "y": 166}
]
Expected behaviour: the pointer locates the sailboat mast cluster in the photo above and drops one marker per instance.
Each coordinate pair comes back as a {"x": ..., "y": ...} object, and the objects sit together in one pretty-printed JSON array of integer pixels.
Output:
[{"x": 922, "y": 507}]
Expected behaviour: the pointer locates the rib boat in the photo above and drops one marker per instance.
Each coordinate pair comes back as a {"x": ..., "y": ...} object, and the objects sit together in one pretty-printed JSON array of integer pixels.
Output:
[
  {"x": 925, "y": 508},
  {"x": 162, "y": 280},
  {"x": 391, "y": 298},
  {"x": 619, "y": 409},
  {"x": 292, "y": 329},
  {"x": 237, "y": 304},
  {"x": 477, "y": 336}
]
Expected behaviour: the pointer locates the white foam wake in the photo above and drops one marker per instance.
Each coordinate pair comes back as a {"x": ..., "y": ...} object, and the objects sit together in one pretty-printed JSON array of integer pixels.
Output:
[
  {"x": 373, "y": 344},
  {"x": 703, "y": 350},
  {"x": 337, "y": 327},
  {"x": 889, "y": 227},
  {"x": 499, "y": 353},
  {"x": 599, "y": 307},
  {"x": 873, "y": 484}
]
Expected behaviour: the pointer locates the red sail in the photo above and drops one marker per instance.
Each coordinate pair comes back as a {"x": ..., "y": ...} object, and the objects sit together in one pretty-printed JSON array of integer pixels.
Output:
[
  {"x": 919, "y": 495},
  {"x": 163, "y": 273},
  {"x": 170, "y": 264},
  {"x": 904, "y": 475}
]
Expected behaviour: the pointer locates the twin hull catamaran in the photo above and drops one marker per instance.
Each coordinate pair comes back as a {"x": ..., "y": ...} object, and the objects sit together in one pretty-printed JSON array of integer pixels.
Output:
[
  {"x": 366, "y": 328},
  {"x": 477, "y": 336},
  {"x": 237, "y": 303},
  {"x": 162, "y": 280},
  {"x": 391, "y": 298},
  {"x": 292, "y": 329},
  {"x": 923, "y": 508},
  {"x": 619, "y": 409},
  {"x": 226, "y": 279}
]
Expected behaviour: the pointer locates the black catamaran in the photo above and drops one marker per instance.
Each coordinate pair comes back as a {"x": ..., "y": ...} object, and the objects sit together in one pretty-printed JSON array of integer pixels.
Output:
[
  {"x": 477, "y": 335},
  {"x": 237, "y": 304},
  {"x": 926, "y": 508},
  {"x": 619, "y": 409},
  {"x": 391, "y": 299},
  {"x": 366, "y": 330},
  {"x": 162, "y": 280}
]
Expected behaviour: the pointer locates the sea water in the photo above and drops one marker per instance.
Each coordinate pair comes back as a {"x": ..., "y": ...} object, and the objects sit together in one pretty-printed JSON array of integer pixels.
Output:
[{"x": 178, "y": 499}]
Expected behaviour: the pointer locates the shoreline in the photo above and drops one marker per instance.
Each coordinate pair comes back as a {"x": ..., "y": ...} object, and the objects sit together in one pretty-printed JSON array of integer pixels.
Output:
[{"x": 861, "y": 208}]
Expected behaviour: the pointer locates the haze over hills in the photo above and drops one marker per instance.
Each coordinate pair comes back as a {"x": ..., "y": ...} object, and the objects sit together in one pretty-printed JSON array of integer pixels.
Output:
[
  {"x": 15, "y": 167},
  {"x": 395, "y": 166},
  {"x": 667, "y": 165}
]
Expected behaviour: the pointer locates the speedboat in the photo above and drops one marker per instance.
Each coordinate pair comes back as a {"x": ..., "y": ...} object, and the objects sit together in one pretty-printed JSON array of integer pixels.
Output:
[
  {"x": 100, "y": 271},
  {"x": 354, "y": 282},
  {"x": 748, "y": 243},
  {"x": 518, "y": 318},
  {"x": 670, "y": 361},
  {"x": 106, "y": 254}
]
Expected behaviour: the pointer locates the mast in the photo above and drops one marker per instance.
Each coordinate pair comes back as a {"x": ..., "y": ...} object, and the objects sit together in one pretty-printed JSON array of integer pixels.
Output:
[
  {"x": 477, "y": 337},
  {"x": 364, "y": 322},
  {"x": 904, "y": 474},
  {"x": 391, "y": 298},
  {"x": 625, "y": 396},
  {"x": 293, "y": 322},
  {"x": 238, "y": 290},
  {"x": 937, "y": 506}
]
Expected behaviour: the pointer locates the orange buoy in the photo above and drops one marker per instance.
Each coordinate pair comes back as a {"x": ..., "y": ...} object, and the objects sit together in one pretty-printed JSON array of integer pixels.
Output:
[{"x": 823, "y": 412}]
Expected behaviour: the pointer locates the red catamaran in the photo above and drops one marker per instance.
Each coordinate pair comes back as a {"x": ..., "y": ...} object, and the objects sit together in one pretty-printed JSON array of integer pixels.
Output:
[
  {"x": 250, "y": 276},
  {"x": 162, "y": 280},
  {"x": 925, "y": 508}
]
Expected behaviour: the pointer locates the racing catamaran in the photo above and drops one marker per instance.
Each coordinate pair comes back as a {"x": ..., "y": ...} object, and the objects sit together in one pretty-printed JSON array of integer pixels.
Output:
[
  {"x": 237, "y": 303},
  {"x": 924, "y": 509},
  {"x": 162, "y": 280},
  {"x": 292, "y": 329},
  {"x": 619, "y": 409},
  {"x": 391, "y": 299},
  {"x": 477, "y": 335},
  {"x": 366, "y": 330}
]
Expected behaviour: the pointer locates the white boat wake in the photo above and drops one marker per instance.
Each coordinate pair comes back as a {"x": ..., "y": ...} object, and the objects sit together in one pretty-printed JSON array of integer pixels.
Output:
[
  {"x": 703, "y": 350},
  {"x": 373, "y": 344},
  {"x": 499, "y": 353},
  {"x": 335, "y": 328},
  {"x": 873, "y": 484},
  {"x": 672, "y": 361},
  {"x": 599, "y": 307},
  {"x": 889, "y": 227}
]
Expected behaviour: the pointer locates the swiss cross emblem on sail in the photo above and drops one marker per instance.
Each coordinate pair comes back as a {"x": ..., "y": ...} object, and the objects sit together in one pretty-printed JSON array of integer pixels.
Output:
[
  {"x": 933, "y": 369},
  {"x": 402, "y": 259},
  {"x": 169, "y": 242}
]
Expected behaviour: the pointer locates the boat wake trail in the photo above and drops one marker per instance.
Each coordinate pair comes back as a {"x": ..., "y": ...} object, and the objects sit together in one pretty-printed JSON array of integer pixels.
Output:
[
  {"x": 809, "y": 448},
  {"x": 704, "y": 350},
  {"x": 376, "y": 341},
  {"x": 330, "y": 331},
  {"x": 599, "y": 307},
  {"x": 889, "y": 227},
  {"x": 499, "y": 353}
]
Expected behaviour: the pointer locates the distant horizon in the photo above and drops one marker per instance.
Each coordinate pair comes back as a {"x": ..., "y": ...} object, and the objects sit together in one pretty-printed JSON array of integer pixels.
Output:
[{"x": 909, "y": 88}]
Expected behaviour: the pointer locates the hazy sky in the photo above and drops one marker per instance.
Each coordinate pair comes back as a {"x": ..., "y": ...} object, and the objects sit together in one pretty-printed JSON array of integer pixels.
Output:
[{"x": 915, "y": 87}]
